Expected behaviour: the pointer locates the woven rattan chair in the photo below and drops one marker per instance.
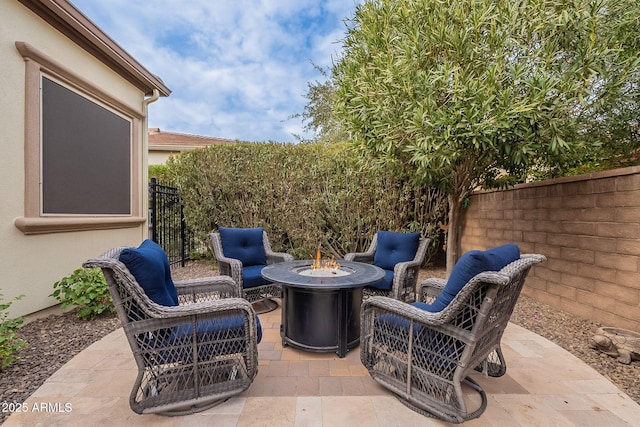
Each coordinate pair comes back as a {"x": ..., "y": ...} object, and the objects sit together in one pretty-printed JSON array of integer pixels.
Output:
[
  {"x": 424, "y": 357},
  {"x": 190, "y": 356},
  {"x": 255, "y": 289},
  {"x": 401, "y": 277}
]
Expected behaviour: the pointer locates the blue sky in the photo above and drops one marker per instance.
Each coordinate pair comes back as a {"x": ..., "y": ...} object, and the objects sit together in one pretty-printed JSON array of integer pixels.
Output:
[{"x": 238, "y": 69}]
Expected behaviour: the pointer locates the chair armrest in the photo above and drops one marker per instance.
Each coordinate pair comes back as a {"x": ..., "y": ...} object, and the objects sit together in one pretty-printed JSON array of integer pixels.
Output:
[
  {"x": 359, "y": 257},
  {"x": 367, "y": 256},
  {"x": 273, "y": 257},
  {"x": 227, "y": 266},
  {"x": 405, "y": 277},
  {"x": 230, "y": 267},
  {"x": 276, "y": 257},
  {"x": 201, "y": 307},
  {"x": 229, "y": 262},
  {"x": 377, "y": 305},
  {"x": 430, "y": 288},
  {"x": 401, "y": 268},
  {"x": 451, "y": 310},
  {"x": 207, "y": 288}
]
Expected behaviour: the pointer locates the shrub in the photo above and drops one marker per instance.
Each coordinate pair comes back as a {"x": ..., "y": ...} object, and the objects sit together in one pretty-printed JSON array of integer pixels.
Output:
[
  {"x": 160, "y": 173},
  {"x": 87, "y": 289},
  {"x": 304, "y": 195},
  {"x": 10, "y": 344}
]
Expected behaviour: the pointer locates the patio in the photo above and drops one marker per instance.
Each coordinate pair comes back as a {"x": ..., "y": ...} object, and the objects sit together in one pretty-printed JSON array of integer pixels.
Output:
[{"x": 544, "y": 385}]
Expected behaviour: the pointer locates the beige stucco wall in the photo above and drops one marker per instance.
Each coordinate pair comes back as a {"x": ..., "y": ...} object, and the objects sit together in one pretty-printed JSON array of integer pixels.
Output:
[
  {"x": 30, "y": 264},
  {"x": 157, "y": 157}
]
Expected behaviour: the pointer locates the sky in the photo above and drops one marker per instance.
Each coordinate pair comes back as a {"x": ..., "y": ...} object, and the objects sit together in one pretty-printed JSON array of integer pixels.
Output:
[{"x": 237, "y": 69}]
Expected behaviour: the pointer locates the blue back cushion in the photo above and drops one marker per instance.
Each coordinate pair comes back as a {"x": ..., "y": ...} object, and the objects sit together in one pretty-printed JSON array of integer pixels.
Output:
[
  {"x": 394, "y": 248},
  {"x": 469, "y": 265},
  {"x": 150, "y": 266},
  {"x": 502, "y": 256},
  {"x": 244, "y": 244}
]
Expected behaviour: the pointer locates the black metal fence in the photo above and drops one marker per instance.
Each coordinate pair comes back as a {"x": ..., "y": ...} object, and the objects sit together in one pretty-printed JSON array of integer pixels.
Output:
[{"x": 167, "y": 226}]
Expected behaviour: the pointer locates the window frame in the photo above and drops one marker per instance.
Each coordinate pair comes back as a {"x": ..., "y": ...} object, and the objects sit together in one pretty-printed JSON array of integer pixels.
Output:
[{"x": 34, "y": 221}]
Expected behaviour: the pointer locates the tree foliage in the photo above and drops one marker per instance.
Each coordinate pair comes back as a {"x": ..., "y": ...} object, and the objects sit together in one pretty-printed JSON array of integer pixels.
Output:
[
  {"x": 479, "y": 92},
  {"x": 319, "y": 113},
  {"x": 610, "y": 118}
]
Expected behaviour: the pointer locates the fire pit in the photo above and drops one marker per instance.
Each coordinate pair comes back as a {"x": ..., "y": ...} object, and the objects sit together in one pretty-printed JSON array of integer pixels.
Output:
[
  {"x": 324, "y": 268},
  {"x": 321, "y": 302},
  {"x": 324, "y": 272}
]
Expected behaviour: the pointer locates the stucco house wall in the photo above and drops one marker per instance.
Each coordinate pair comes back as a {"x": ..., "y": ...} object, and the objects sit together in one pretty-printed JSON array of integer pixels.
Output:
[
  {"x": 36, "y": 250},
  {"x": 588, "y": 226}
]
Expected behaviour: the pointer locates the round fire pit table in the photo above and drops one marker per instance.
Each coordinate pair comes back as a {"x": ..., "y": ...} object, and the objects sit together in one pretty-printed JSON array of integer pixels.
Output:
[{"x": 321, "y": 308}]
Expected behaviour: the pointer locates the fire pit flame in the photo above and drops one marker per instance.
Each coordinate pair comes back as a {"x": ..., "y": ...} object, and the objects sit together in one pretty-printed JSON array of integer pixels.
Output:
[
  {"x": 325, "y": 264},
  {"x": 323, "y": 268}
]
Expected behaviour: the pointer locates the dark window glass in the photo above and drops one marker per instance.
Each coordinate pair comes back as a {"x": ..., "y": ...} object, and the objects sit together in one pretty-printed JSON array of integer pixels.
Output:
[{"x": 86, "y": 155}]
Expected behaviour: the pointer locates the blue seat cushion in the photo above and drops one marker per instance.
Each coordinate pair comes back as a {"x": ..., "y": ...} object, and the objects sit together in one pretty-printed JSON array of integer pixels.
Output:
[
  {"x": 469, "y": 265},
  {"x": 431, "y": 350},
  {"x": 150, "y": 266},
  {"x": 252, "y": 277},
  {"x": 244, "y": 244},
  {"x": 214, "y": 337},
  {"x": 393, "y": 248},
  {"x": 386, "y": 283},
  {"x": 215, "y": 330}
]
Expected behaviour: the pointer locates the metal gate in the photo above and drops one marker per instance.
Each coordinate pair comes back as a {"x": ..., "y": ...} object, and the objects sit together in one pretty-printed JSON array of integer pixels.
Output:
[{"x": 167, "y": 226}]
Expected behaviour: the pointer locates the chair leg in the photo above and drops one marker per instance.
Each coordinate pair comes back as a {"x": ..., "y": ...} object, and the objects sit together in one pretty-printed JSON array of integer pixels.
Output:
[
  {"x": 494, "y": 365},
  {"x": 194, "y": 409},
  {"x": 444, "y": 414},
  {"x": 264, "y": 305}
]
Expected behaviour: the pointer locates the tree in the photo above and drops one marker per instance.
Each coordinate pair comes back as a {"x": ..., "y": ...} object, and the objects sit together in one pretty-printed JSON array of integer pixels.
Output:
[
  {"x": 319, "y": 115},
  {"x": 609, "y": 122},
  {"x": 474, "y": 93}
]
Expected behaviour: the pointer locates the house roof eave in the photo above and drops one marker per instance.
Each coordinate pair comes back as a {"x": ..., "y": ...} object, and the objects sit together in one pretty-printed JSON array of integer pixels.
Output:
[{"x": 64, "y": 17}]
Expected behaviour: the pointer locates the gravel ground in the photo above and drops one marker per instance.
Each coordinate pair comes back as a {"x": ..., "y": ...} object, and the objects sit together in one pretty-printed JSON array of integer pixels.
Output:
[{"x": 54, "y": 340}]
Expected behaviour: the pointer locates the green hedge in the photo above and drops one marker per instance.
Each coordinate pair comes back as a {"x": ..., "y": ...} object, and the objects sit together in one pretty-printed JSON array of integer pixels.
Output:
[
  {"x": 306, "y": 196},
  {"x": 161, "y": 174}
]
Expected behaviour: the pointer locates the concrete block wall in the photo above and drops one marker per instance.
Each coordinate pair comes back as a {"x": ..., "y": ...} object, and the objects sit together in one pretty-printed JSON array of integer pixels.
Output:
[{"x": 588, "y": 226}]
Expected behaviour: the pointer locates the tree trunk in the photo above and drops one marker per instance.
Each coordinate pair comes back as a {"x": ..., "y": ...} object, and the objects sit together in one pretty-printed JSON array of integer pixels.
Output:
[
  {"x": 462, "y": 185},
  {"x": 453, "y": 233}
]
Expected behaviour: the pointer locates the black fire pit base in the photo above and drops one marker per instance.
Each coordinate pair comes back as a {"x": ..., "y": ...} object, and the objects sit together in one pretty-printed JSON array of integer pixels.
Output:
[
  {"x": 321, "y": 320},
  {"x": 321, "y": 312}
]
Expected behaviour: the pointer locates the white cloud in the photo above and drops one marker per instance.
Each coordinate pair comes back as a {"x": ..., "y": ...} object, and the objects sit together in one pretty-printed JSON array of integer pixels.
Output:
[{"x": 237, "y": 69}]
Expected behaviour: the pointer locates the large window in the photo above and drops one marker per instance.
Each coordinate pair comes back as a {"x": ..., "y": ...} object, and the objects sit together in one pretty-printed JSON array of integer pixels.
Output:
[
  {"x": 86, "y": 155},
  {"x": 81, "y": 145}
]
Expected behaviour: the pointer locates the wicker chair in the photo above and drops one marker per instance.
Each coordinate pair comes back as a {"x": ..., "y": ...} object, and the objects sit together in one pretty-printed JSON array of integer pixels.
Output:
[
  {"x": 256, "y": 290},
  {"x": 401, "y": 277},
  {"x": 423, "y": 357},
  {"x": 190, "y": 356}
]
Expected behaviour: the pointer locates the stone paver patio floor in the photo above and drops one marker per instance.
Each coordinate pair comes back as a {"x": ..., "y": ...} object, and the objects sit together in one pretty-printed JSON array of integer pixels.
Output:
[{"x": 544, "y": 386}]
